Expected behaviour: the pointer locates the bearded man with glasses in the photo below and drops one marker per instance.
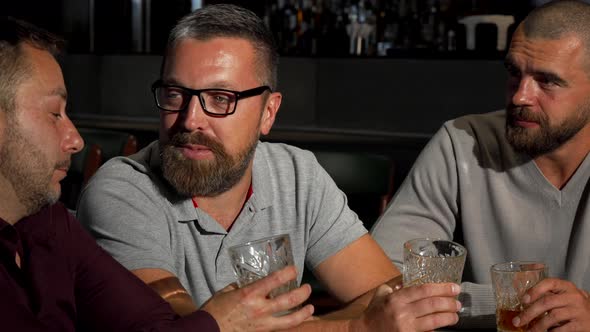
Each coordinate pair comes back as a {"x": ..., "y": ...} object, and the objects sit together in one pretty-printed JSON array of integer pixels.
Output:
[
  {"x": 170, "y": 212},
  {"x": 53, "y": 276}
]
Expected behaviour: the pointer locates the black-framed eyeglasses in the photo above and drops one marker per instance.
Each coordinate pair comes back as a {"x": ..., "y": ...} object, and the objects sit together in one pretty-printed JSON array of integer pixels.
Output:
[{"x": 215, "y": 102}]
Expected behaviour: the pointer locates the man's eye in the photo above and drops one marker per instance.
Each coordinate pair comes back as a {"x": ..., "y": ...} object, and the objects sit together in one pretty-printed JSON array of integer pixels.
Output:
[
  {"x": 546, "y": 82},
  {"x": 173, "y": 95},
  {"x": 221, "y": 99}
]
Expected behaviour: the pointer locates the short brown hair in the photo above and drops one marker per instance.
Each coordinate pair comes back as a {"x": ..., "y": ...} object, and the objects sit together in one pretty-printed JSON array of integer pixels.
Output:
[
  {"x": 13, "y": 65},
  {"x": 226, "y": 20}
]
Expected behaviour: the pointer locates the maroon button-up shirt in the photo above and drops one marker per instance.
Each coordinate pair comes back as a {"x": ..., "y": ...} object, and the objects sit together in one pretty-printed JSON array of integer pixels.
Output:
[{"x": 68, "y": 283}]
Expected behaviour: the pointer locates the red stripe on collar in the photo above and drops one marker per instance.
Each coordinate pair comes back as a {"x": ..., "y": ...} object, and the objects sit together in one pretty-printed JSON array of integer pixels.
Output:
[{"x": 248, "y": 195}]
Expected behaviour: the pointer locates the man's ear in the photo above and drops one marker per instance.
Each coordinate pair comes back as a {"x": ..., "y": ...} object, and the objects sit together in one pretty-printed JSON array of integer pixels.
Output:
[{"x": 270, "y": 112}]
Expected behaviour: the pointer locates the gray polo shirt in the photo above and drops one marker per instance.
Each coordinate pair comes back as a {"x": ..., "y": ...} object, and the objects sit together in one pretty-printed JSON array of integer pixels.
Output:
[{"x": 139, "y": 219}]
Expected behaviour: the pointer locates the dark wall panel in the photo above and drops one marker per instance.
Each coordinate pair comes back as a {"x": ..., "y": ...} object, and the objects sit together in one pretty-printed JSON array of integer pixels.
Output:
[
  {"x": 298, "y": 84},
  {"x": 126, "y": 83},
  {"x": 399, "y": 95},
  {"x": 81, "y": 75},
  {"x": 386, "y": 95}
]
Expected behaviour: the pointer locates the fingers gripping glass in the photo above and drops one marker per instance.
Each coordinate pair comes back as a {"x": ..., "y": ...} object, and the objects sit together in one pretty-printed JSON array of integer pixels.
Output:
[{"x": 216, "y": 102}]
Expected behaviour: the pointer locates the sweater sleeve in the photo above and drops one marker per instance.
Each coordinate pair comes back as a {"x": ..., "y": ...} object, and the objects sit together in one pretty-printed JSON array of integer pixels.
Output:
[{"x": 427, "y": 205}]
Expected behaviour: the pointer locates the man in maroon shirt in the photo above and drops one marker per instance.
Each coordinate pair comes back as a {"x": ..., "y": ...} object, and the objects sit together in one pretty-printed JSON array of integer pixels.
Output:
[{"x": 53, "y": 277}]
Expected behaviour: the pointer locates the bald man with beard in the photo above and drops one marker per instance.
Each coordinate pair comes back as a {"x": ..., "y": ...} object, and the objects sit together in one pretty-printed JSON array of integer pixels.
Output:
[{"x": 513, "y": 184}]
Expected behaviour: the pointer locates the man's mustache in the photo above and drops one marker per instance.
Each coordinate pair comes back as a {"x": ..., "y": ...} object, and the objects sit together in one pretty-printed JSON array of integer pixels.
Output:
[
  {"x": 524, "y": 114},
  {"x": 196, "y": 139}
]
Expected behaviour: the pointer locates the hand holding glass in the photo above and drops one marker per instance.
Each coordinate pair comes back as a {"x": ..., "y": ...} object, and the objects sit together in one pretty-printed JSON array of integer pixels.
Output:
[
  {"x": 510, "y": 281},
  {"x": 257, "y": 259},
  {"x": 432, "y": 261}
]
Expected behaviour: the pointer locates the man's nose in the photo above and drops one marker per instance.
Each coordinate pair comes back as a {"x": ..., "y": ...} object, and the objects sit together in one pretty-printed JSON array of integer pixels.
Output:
[
  {"x": 72, "y": 141},
  {"x": 522, "y": 91},
  {"x": 194, "y": 117}
]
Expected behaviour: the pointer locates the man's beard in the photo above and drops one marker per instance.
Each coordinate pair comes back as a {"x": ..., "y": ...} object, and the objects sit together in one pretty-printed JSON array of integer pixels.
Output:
[
  {"x": 206, "y": 178},
  {"x": 545, "y": 138},
  {"x": 24, "y": 166}
]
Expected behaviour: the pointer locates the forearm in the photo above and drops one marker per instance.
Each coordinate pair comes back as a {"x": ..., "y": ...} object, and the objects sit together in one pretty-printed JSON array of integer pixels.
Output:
[
  {"x": 173, "y": 293},
  {"x": 350, "y": 317},
  {"x": 182, "y": 304},
  {"x": 351, "y": 310},
  {"x": 340, "y": 320},
  {"x": 355, "y": 308}
]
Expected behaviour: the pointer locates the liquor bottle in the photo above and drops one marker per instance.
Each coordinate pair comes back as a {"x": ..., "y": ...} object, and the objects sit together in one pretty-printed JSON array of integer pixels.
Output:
[
  {"x": 289, "y": 28},
  {"x": 369, "y": 29},
  {"x": 275, "y": 22},
  {"x": 334, "y": 39},
  {"x": 387, "y": 26},
  {"x": 430, "y": 24},
  {"x": 304, "y": 28}
]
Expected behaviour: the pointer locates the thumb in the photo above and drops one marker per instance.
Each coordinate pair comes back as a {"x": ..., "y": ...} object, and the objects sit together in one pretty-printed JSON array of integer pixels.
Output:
[
  {"x": 383, "y": 290},
  {"x": 380, "y": 296}
]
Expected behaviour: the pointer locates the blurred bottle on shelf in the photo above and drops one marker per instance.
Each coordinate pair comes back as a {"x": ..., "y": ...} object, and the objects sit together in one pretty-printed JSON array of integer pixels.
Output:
[
  {"x": 301, "y": 27},
  {"x": 384, "y": 27},
  {"x": 310, "y": 27}
]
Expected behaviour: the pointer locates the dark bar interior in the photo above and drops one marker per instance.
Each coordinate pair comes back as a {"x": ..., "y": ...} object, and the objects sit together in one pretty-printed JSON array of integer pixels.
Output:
[
  {"x": 365, "y": 85},
  {"x": 409, "y": 76}
]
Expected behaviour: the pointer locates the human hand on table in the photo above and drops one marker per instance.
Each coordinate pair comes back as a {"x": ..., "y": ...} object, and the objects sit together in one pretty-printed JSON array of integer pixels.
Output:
[
  {"x": 250, "y": 308},
  {"x": 559, "y": 303},
  {"x": 418, "y": 308}
]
